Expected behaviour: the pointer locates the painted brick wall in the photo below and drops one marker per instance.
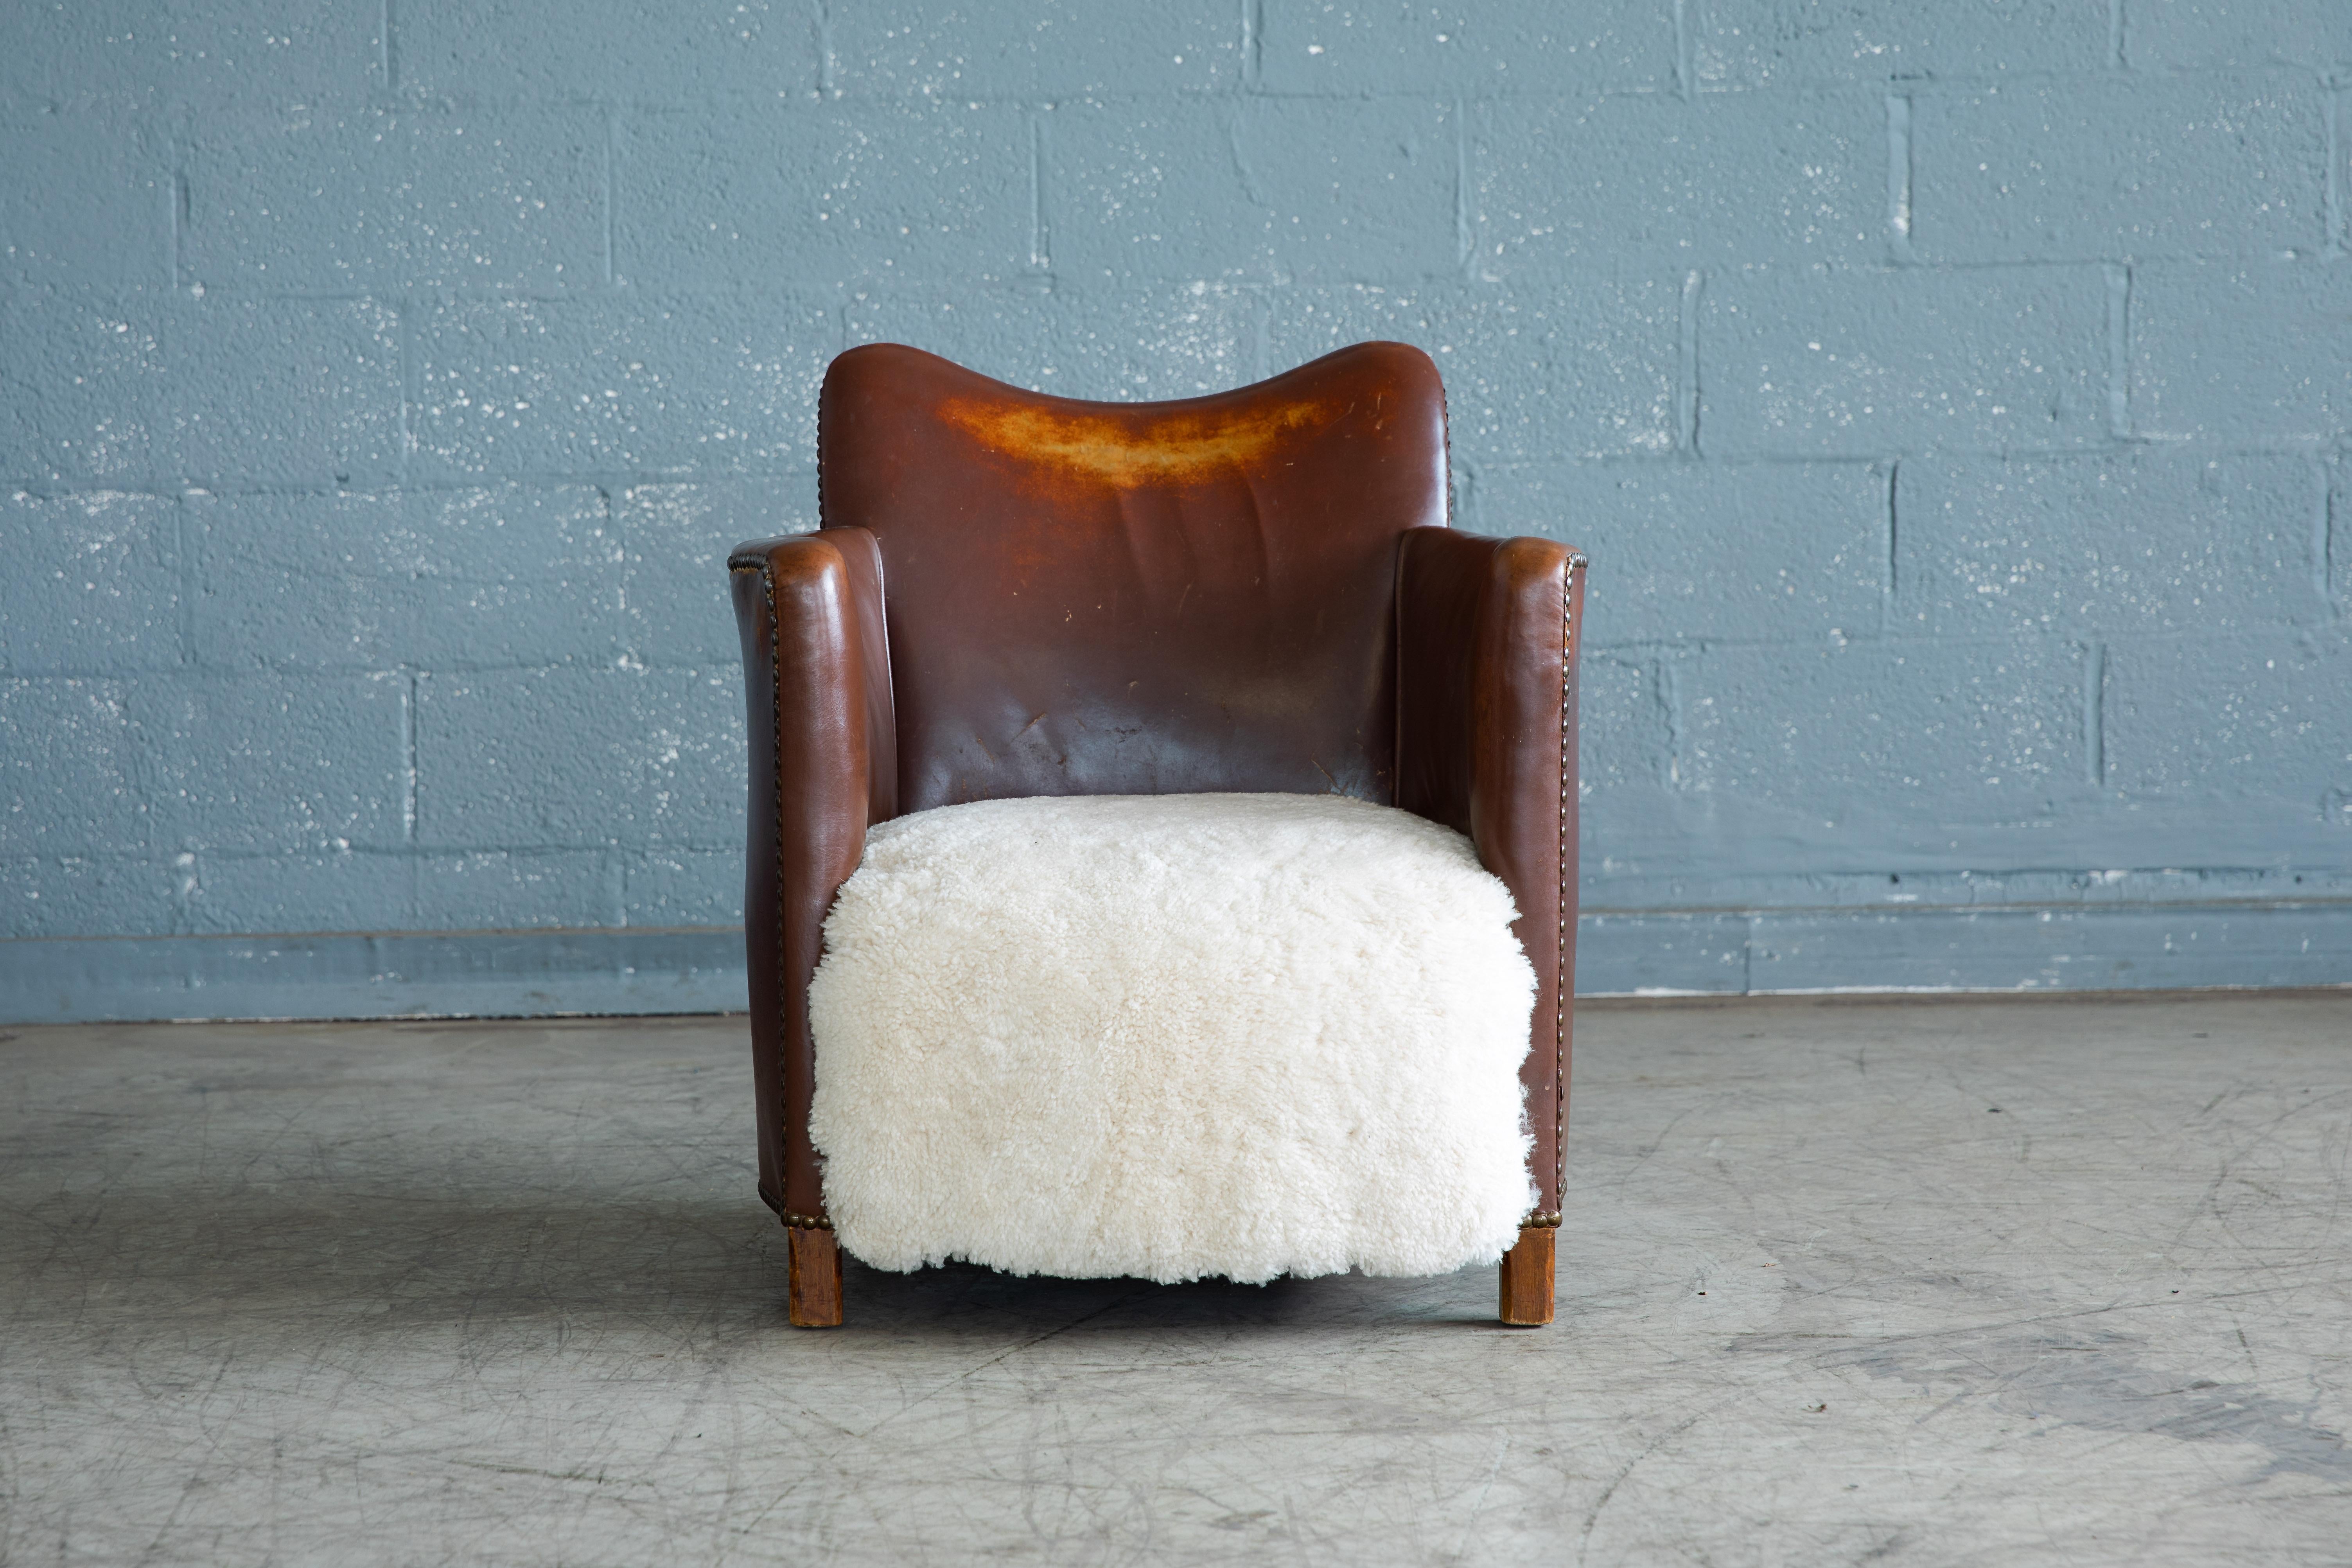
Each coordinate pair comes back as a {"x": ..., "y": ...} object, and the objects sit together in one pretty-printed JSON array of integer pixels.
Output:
[{"x": 1951, "y": 394}]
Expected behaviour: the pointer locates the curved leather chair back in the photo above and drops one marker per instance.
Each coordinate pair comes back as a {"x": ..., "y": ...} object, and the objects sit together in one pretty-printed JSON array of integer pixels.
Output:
[{"x": 1109, "y": 598}]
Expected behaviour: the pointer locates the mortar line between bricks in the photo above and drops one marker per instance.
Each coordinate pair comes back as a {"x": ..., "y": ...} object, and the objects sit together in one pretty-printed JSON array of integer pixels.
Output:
[
  {"x": 1893, "y": 581},
  {"x": 184, "y": 619},
  {"x": 387, "y": 60},
  {"x": 610, "y": 514},
  {"x": 1928, "y": 641},
  {"x": 610, "y": 115},
  {"x": 2115, "y": 36},
  {"x": 2078, "y": 263},
  {"x": 827, "y": 85},
  {"x": 427, "y": 934},
  {"x": 176, "y": 192},
  {"x": 1643, "y": 651},
  {"x": 1041, "y": 232},
  {"x": 2262, "y": 903},
  {"x": 2094, "y": 716},
  {"x": 639, "y": 666},
  {"x": 2333, "y": 188},
  {"x": 1464, "y": 245},
  {"x": 2323, "y": 537},
  {"x": 187, "y": 875},
  {"x": 1686, "y": 368},
  {"x": 1667, "y": 461},
  {"x": 166, "y": 490},
  {"x": 1253, "y": 44},
  {"x": 1251, "y": 191},
  {"x": 1683, "y": 73},
  {"x": 2011, "y": 906},
  {"x": 408, "y": 759},
  {"x": 1898, "y": 179},
  {"x": 879, "y": 100},
  {"x": 2119, "y": 280},
  {"x": 404, "y": 335},
  {"x": 1667, "y": 674},
  {"x": 265, "y": 296}
]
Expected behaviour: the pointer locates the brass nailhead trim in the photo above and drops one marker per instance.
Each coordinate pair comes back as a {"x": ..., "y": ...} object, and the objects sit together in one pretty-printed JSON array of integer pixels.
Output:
[
  {"x": 776, "y": 751},
  {"x": 1567, "y": 926},
  {"x": 1541, "y": 1221},
  {"x": 775, "y": 803}
]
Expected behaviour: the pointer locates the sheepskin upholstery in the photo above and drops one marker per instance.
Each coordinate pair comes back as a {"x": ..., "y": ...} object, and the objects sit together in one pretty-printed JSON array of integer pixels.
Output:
[{"x": 1172, "y": 1036}]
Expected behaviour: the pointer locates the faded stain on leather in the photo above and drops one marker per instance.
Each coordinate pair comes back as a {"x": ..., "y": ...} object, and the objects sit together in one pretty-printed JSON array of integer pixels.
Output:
[
  {"x": 1019, "y": 594},
  {"x": 1128, "y": 451}
]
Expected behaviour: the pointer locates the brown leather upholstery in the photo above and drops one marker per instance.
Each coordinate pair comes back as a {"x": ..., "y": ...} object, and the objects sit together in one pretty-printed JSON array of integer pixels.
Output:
[
  {"x": 1487, "y": 745},
  {"x": 817, "y": 679},
  {"x": 1018, "y": 595}
]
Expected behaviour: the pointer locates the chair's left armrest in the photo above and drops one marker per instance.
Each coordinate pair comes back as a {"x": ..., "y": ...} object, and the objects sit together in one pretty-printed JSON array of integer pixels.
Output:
[
  {"x": 823, "y": 755},
  {"x": 1487, "y": 642}
]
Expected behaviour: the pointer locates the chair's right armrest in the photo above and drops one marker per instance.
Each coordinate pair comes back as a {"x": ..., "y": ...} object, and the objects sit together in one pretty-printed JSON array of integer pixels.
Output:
[
  {"x": 823, "y": 754},
  {"x": 1487, "y": 745}
]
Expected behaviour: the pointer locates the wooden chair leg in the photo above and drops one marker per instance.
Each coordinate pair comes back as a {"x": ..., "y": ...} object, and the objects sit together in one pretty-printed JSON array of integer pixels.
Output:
[
  {"x": 816, "y": 1277},
  {"x": 1526, "y": 1279}
]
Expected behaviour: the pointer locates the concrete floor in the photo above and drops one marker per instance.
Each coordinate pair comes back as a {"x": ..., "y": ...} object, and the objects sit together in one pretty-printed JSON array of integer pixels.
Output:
[{"x": 2002, "y": 1281}]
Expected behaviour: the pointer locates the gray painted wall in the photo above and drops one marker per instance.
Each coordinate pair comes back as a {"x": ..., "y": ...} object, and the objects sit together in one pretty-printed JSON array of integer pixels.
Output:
[{"x": 1950, "y": 393}]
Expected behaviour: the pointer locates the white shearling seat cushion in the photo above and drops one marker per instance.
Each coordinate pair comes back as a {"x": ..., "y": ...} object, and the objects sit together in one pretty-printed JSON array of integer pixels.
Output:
[{"x": 1172, "y": 1036}]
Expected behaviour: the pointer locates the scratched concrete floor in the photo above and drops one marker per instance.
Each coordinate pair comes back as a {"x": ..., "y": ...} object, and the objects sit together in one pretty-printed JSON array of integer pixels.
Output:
[{"x": 1943, "y": 1282}]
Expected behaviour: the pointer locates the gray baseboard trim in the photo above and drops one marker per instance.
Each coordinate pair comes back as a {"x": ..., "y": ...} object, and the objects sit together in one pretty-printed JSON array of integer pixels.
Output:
[
  {"x": 498, "y": 975},
  {"x": 426, "y": 975},
  {"x": 2142, "y": 947}
]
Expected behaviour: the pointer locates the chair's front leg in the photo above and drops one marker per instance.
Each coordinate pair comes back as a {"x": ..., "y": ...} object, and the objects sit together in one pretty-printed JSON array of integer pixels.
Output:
[
  {"x": 1527, "y": 1276},
  {"x": 816, "y": 1277}
]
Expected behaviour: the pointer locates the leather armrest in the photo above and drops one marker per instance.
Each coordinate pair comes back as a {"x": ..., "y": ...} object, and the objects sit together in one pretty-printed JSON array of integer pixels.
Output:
[
  {"x": 1487, "y": 745},
  {"x": 824, "y": 752}
]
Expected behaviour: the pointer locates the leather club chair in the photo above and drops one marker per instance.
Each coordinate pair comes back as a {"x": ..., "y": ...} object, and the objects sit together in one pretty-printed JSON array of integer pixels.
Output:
[{"x": 988, "y": 611}]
